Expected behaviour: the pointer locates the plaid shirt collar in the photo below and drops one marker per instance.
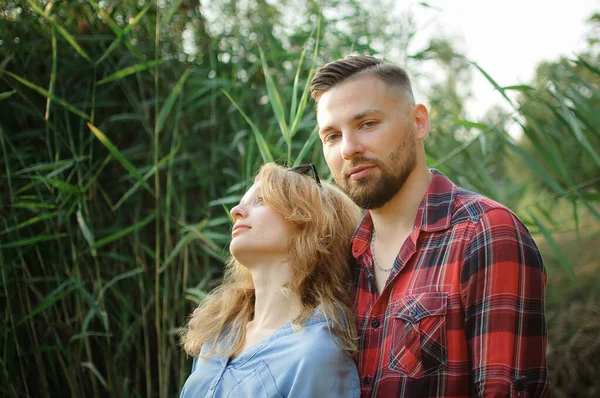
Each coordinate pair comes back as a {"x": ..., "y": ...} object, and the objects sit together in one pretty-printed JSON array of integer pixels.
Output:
[{"x": 434, "y": 214}]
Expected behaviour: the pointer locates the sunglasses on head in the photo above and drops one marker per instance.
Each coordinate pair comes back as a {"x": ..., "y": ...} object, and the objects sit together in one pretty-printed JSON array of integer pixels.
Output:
[{"x": 306, "y": 169}]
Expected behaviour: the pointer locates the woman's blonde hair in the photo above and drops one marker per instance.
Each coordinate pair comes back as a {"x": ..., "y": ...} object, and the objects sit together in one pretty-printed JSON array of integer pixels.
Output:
[{"x": 319, "y": 259}]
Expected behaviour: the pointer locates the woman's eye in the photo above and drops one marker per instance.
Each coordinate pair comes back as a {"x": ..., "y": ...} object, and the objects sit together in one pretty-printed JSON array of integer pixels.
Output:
[{"x": 259, "y": 200}]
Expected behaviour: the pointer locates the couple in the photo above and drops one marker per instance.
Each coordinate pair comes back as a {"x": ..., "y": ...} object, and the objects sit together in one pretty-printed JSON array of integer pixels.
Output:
[{"x": 439, "y": 292}]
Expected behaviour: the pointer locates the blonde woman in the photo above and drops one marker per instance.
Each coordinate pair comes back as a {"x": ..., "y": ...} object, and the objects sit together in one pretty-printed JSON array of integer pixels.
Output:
[{"x": 281, "y": 325}]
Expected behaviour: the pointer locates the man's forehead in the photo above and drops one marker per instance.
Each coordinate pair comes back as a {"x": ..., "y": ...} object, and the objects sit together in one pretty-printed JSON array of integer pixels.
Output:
[{"x": 351, "y": 106}]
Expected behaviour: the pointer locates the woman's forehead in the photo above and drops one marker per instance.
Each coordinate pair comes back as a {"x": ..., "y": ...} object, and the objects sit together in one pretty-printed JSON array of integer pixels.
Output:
[{"x": 251, "y": 192}]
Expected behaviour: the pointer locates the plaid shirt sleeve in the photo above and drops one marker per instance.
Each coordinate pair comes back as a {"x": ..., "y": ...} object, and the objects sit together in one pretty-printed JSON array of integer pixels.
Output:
[{"x": 502, "y": 288}]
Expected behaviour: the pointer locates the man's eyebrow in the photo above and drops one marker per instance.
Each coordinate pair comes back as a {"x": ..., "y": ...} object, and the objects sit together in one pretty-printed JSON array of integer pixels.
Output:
[
  {"x": 365, "y": 113},
  {"x": 356, "y": 117},
  {"x": 325, "y": 129}
]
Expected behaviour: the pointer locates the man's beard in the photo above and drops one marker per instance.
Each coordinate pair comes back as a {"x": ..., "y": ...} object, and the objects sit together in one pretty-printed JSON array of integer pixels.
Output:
[{"x": 371, "y": 191}]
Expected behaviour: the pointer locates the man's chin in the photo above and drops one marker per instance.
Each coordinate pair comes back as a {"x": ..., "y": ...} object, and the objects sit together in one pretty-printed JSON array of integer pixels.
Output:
[
  {"x": 371, "y": 193},
  {"x": 367, "y": 182},
  {"x": 360, "y": 195}
]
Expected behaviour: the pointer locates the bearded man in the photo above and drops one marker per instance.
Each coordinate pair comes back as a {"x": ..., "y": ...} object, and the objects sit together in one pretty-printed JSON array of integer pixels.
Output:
[{"x": 450, "y": 292}]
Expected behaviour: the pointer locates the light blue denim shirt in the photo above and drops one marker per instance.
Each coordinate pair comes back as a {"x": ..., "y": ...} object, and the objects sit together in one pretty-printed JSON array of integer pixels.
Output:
[{"x": 307, "y": 363}]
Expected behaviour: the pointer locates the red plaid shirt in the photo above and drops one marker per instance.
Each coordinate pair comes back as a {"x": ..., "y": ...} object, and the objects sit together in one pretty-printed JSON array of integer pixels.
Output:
[{"x": 462, "y": 313}]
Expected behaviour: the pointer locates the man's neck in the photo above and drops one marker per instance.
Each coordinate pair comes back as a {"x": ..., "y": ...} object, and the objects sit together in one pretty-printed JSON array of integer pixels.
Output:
[{"x": 398, "y": 215}]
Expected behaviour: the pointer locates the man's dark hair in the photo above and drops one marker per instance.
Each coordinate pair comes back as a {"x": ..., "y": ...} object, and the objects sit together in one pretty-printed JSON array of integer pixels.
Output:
[{"x": 353, "y": 66}]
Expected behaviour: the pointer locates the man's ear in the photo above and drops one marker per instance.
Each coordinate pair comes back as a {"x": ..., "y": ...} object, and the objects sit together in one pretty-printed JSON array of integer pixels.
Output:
[{"x": 421, "y": 119}]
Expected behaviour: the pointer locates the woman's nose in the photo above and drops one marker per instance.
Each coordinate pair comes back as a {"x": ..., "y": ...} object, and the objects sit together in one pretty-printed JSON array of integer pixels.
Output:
[{"x": 238, "y": 212}]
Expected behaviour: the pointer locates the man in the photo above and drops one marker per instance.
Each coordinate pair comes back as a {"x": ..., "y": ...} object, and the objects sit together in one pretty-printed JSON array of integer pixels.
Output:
[{"x": 450, "y": 299}]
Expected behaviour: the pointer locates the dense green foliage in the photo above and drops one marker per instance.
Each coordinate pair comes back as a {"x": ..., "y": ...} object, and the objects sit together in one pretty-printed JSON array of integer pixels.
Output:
[{"x": 127, "y": 128}]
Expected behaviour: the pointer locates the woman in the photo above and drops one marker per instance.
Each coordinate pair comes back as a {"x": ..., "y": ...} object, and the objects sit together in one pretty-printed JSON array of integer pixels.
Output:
[{"x": 281, "y": 325}]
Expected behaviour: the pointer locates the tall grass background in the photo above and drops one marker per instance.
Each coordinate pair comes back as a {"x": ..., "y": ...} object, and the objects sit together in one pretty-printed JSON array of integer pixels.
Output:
[{"x": 128, "y": 128}]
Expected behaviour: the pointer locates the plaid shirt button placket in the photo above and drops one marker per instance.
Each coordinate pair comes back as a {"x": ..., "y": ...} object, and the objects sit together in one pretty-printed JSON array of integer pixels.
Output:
[{"x": 462, "y": 313}]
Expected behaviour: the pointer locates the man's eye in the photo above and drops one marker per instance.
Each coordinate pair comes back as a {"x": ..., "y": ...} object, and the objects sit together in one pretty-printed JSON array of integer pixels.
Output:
[
  {"x": 368, "y": 124},
  {"x": 331, "y": 137}
]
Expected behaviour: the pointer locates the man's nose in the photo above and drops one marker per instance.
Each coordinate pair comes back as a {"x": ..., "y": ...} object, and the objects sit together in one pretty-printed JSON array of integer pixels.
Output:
[{"x": 351, "y": 146}]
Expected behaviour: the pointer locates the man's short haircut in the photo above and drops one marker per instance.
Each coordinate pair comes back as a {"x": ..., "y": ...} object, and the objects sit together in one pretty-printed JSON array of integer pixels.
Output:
[{"x": 354, "y": 66}]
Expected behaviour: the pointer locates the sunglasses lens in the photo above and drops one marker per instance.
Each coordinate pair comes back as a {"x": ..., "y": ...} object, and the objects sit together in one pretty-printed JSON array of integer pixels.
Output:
[
  {"x": 303, "y": 169},
  {"x": 307, "y": 169}
]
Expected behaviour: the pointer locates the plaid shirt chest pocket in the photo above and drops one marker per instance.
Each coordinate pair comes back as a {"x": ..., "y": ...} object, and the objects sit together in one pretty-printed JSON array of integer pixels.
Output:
[{"x": 418, "y": 337}]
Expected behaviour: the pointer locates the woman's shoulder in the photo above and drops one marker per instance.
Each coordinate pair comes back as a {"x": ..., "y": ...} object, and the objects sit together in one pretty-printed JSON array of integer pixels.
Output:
[{"x": 316, "y": 336}]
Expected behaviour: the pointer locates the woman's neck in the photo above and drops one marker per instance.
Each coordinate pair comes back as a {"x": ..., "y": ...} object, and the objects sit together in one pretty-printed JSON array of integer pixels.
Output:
[{"x": 274, "y": 306}]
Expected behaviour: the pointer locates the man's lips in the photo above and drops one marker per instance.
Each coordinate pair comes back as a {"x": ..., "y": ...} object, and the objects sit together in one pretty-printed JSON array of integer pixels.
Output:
[
  {"x": 238, "y": 228},
  {"x": 358, "y": 172}
]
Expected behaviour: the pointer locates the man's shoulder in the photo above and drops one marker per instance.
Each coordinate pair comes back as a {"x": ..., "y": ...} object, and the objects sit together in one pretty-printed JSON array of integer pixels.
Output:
[{"x": 471, "y": 207}]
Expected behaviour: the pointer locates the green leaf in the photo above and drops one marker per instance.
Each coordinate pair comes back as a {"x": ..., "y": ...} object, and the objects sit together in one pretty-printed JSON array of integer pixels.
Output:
[
  {"x": 60, "y": 30},
  {"x": 469, "y": 124},
  {"x": 52, "y": 82},
  {"x": 124, "y": 232},
  {"x": 518, "y": 87},
  {"x": 168, "y": 105},
  {"x": 85, "y": 335},
  {"x": 555, "y": 248},
  {"x": 96, "y": 373},
  {"x": 312, "y": 138},
  {"x": 149, "y": 174},
  {"x": 8, "y": 176},
  {"x": 274, "y": 98},
  {"x": 85, "y": 230},
  {"x": 61, "y": 291},
  {"x": 195, "y": 295},
  {"x": 61, "y": 185},
  {"x": 592, "y": 196},
  {"x": 305, "y": 93},
  {"x": 227, "y": 200},
  {"x": 492, "y": 81},
  {"x": 31, "y": 221},
  {"x": 587, "y": 65},
  {"x": 137, "y": 18},
  {"x": 120, "y": 33},
  {"x": 41, "y": 167},
  {"x": 113, "y": 46},
  {"x": 131, "y": 70},
  {"x": 427, "y": 5},
  {"x": 46, "y": 94},
  {"x": 6, "y": 94},
  {"x": 32, "y": 205},
  {"x": 118, "y": 278},
  {"x": 183, "y": 242},
  {"x": 106, "y": 18},
  {"x": 297, "y": 77},
  {"x": 265, "y": 153},
  {"x": 119, "y": 156},
  {"x": 32, "y": 241},
  {"x": 486, "y": 180},
  {"x": 535, "y": 167},
  {"x": 575, "y": 127},
  {"x": 591, "y": 208}
]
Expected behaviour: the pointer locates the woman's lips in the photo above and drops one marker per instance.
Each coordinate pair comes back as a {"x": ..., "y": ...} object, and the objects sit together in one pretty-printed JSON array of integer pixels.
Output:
[{"x": 237, "y": 228}]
